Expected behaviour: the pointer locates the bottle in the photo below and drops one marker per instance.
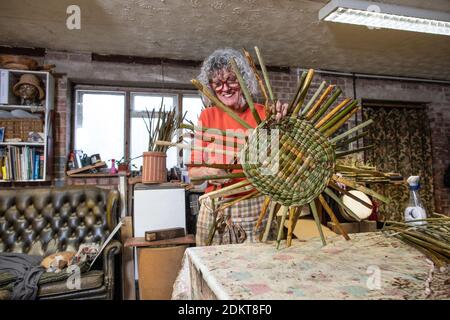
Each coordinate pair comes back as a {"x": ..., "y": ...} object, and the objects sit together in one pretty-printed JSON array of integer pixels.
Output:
[
  {"x": 113, "y": 169},
  {"x": 414, "y": 209}
]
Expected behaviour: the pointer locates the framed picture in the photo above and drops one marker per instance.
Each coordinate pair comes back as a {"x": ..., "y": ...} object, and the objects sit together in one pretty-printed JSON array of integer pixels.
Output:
[{"x": 2, "y": 134}]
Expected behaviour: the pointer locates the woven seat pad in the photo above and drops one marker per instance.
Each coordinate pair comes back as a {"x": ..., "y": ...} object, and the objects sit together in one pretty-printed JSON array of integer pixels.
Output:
[{"x": 305, "y": 161}]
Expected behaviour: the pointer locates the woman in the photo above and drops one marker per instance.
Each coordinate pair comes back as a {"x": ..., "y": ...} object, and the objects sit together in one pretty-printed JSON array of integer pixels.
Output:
[{"x": 238, "y": 221}]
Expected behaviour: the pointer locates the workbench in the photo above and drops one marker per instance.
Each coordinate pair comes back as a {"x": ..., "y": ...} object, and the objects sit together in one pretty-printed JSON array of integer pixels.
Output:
[{"x": 369, "y": 266}]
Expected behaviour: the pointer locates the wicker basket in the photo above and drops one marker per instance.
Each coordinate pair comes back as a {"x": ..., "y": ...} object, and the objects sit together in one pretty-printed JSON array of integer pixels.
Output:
[
  {"x": 298, "y": 171},
  {"x": 20, "y": 128}
]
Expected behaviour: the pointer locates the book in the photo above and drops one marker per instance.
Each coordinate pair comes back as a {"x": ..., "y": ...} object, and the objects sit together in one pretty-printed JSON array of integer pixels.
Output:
[
  {"x": 41, "y": 166},
  {"x": 36, "y": 167}
]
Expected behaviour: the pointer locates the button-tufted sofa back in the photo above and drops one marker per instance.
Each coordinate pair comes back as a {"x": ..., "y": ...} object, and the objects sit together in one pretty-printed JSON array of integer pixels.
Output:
[{"x": 71, "y": 216}]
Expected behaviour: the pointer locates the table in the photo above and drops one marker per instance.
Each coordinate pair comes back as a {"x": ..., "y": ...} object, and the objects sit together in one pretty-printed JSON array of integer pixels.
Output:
[{"x": 370, "y": 266}]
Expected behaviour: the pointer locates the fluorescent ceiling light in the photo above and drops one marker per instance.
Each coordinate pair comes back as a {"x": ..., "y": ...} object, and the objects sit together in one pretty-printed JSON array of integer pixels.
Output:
[{"x": 380, "y": 15}]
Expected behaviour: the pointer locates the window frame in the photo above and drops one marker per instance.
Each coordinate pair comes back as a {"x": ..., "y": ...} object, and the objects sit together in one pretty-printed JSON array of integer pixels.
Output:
[{"x": 129, "y": 92}]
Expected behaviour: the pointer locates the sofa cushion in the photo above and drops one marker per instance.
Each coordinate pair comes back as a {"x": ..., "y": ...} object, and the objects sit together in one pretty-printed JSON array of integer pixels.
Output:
[
  {"x": 89, "y": 280},
  {"x": 69, "y": 216}
]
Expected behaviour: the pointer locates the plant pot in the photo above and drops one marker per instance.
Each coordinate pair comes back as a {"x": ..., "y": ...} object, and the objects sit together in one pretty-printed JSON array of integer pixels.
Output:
[
  {"x": 154, "y": 167},
  {"x": 123, "y": 167}
]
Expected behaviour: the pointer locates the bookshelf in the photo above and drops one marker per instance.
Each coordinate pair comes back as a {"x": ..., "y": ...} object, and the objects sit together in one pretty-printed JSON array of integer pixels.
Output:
[{"x": 26, "y": 161}]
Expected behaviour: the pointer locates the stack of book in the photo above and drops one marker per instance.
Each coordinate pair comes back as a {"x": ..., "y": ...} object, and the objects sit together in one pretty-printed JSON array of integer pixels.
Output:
[{"x": 21, "y": 163}]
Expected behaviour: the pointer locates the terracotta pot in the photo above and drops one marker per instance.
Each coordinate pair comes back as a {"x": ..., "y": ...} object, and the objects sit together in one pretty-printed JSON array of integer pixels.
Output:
[
  {"x": 154, "y": 167},
  {"x": 123, "y": 167}
]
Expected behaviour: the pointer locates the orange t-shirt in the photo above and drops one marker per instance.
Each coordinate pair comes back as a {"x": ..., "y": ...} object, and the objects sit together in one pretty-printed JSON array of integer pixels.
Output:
[{"x": 214, "y": 117}]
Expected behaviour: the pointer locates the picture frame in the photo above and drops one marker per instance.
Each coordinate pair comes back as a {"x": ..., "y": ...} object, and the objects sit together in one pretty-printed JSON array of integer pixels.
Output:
[{"x": 2, "y": 134}]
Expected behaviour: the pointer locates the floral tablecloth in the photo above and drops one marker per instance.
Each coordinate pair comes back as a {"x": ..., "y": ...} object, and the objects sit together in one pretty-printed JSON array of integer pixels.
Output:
[{"x": 370, "y": 266}]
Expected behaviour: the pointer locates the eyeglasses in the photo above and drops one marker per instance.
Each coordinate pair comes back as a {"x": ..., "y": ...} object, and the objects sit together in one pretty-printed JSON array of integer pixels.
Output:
[{"x": 217, "y": 85}]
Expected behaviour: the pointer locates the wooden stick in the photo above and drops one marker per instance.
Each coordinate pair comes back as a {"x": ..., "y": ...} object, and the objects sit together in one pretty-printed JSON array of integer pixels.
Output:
[
  {"x": 219, "y": 140},
  {"x": 244, "y": 88},
  {"x": 324, "y": 95},
  {"x": 349, "y": 140},
  {"x": 332, "y": 122},
  {"x": 349, "y": 132},
  {"x": 344, "y": 168},
  {"x": 332, "y": 113},
  {"x": 294, "y": 213},
  {"x": 223, "y": 190},
  {"x": 216, "y": 165},
  {"x": 240, "y": 190},
  {"x": 269, "y": 221},
  {"x": 226, "y": 133},
  {"x": 283, "y": 211},
  {"x": 251, "y": 62},
  {"x": 312, "y": 205},
  {"x": 263, "y": 212},
  {"x": 185, "y": 146},
  {"x": 330, "y": 193},
  {"x": 219, "y": 103},
  {"x": 313, "y": 98},
  {"x": 229, "y": 204},
  {"x": 356, "y": 186},
  {"x": 305, "y": 88},
  {"x": 345, "y": 153},
  {"x": 216, "y": 177},
  {"x": 420, "y": 236},
  {"x": 327, "y": 104},
  {"x": 337, "y": 188},
  {"x": 426, "y": 244},
  {"x": 213, "y": 227},
  {"x": 340, "y": 123},
  {"x": 333, "y": 217},
  {"x": 265, "y": 73},
  {"x": 297, "y": 92}
]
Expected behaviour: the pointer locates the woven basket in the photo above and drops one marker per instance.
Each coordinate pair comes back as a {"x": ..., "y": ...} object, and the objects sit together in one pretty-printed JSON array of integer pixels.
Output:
[
  {"x": 299, "y": 171},
  {"x": 20, "y": 128}
]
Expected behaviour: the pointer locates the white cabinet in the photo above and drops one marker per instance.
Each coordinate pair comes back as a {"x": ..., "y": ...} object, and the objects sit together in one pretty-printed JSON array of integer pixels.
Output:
[{"x": 158, "y": 207}]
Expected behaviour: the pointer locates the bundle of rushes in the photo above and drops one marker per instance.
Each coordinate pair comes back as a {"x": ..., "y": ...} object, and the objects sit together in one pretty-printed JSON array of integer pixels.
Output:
[
  {"x": 307, "y": 153},
  {"x": 432, "y": 238}
]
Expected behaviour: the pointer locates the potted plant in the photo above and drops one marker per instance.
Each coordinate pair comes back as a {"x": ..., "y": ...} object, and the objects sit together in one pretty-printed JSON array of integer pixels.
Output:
[
  {"x": 124, "y": 164},
  {"x": 154, "y": 160}
]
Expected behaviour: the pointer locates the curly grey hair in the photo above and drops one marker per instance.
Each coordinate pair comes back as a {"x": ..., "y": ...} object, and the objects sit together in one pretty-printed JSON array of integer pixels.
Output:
[{"x": 220, "y": 59}]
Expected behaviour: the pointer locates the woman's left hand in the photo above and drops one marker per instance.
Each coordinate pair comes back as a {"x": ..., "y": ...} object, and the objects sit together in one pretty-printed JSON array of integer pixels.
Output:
[{"x": 280, "y": 110}]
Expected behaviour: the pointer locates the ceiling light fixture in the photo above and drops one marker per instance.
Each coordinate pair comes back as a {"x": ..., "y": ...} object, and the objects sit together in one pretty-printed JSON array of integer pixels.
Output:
[{"x": 380, "y": 15}]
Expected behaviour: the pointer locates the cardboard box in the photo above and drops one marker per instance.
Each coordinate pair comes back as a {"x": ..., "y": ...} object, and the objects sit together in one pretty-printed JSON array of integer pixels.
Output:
[
  {"x": 158, "y": 269},
  {"x": 354, "y": 227}
]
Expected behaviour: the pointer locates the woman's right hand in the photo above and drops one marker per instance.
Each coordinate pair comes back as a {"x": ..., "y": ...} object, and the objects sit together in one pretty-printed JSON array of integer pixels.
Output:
[{"x": 205, "y": 171}]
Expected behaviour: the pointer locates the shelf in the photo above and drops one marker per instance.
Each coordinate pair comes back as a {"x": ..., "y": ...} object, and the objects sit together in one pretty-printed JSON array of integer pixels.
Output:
[
  {"x": 37, "y": 144},
  {"x": 16, "y": 106},
  {"x": 43, "y": 113},
  {"x": 93, "y": 175},
  {"x": 41, "y": 72},
  {"x": 15, "y": 181}
]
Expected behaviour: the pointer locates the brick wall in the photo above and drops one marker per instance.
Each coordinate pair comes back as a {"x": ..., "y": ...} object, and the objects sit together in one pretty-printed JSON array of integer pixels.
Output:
[{"x": 75, "y": 66}]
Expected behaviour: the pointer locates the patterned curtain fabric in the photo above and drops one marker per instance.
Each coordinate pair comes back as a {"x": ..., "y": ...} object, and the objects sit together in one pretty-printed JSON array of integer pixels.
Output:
[{"x": 402, "y": 144}]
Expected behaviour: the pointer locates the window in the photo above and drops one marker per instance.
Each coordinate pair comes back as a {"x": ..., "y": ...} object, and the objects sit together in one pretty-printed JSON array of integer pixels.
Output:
[
  {"x": 140, "y": 102},
  {"x": 99, "y": 123},
  {"x": 104, "y": 125},
  {"x": 193, "y": 105}
]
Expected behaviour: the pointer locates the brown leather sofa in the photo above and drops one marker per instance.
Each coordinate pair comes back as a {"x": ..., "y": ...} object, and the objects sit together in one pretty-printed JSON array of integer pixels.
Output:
[{"x": 31, "y": 218}]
